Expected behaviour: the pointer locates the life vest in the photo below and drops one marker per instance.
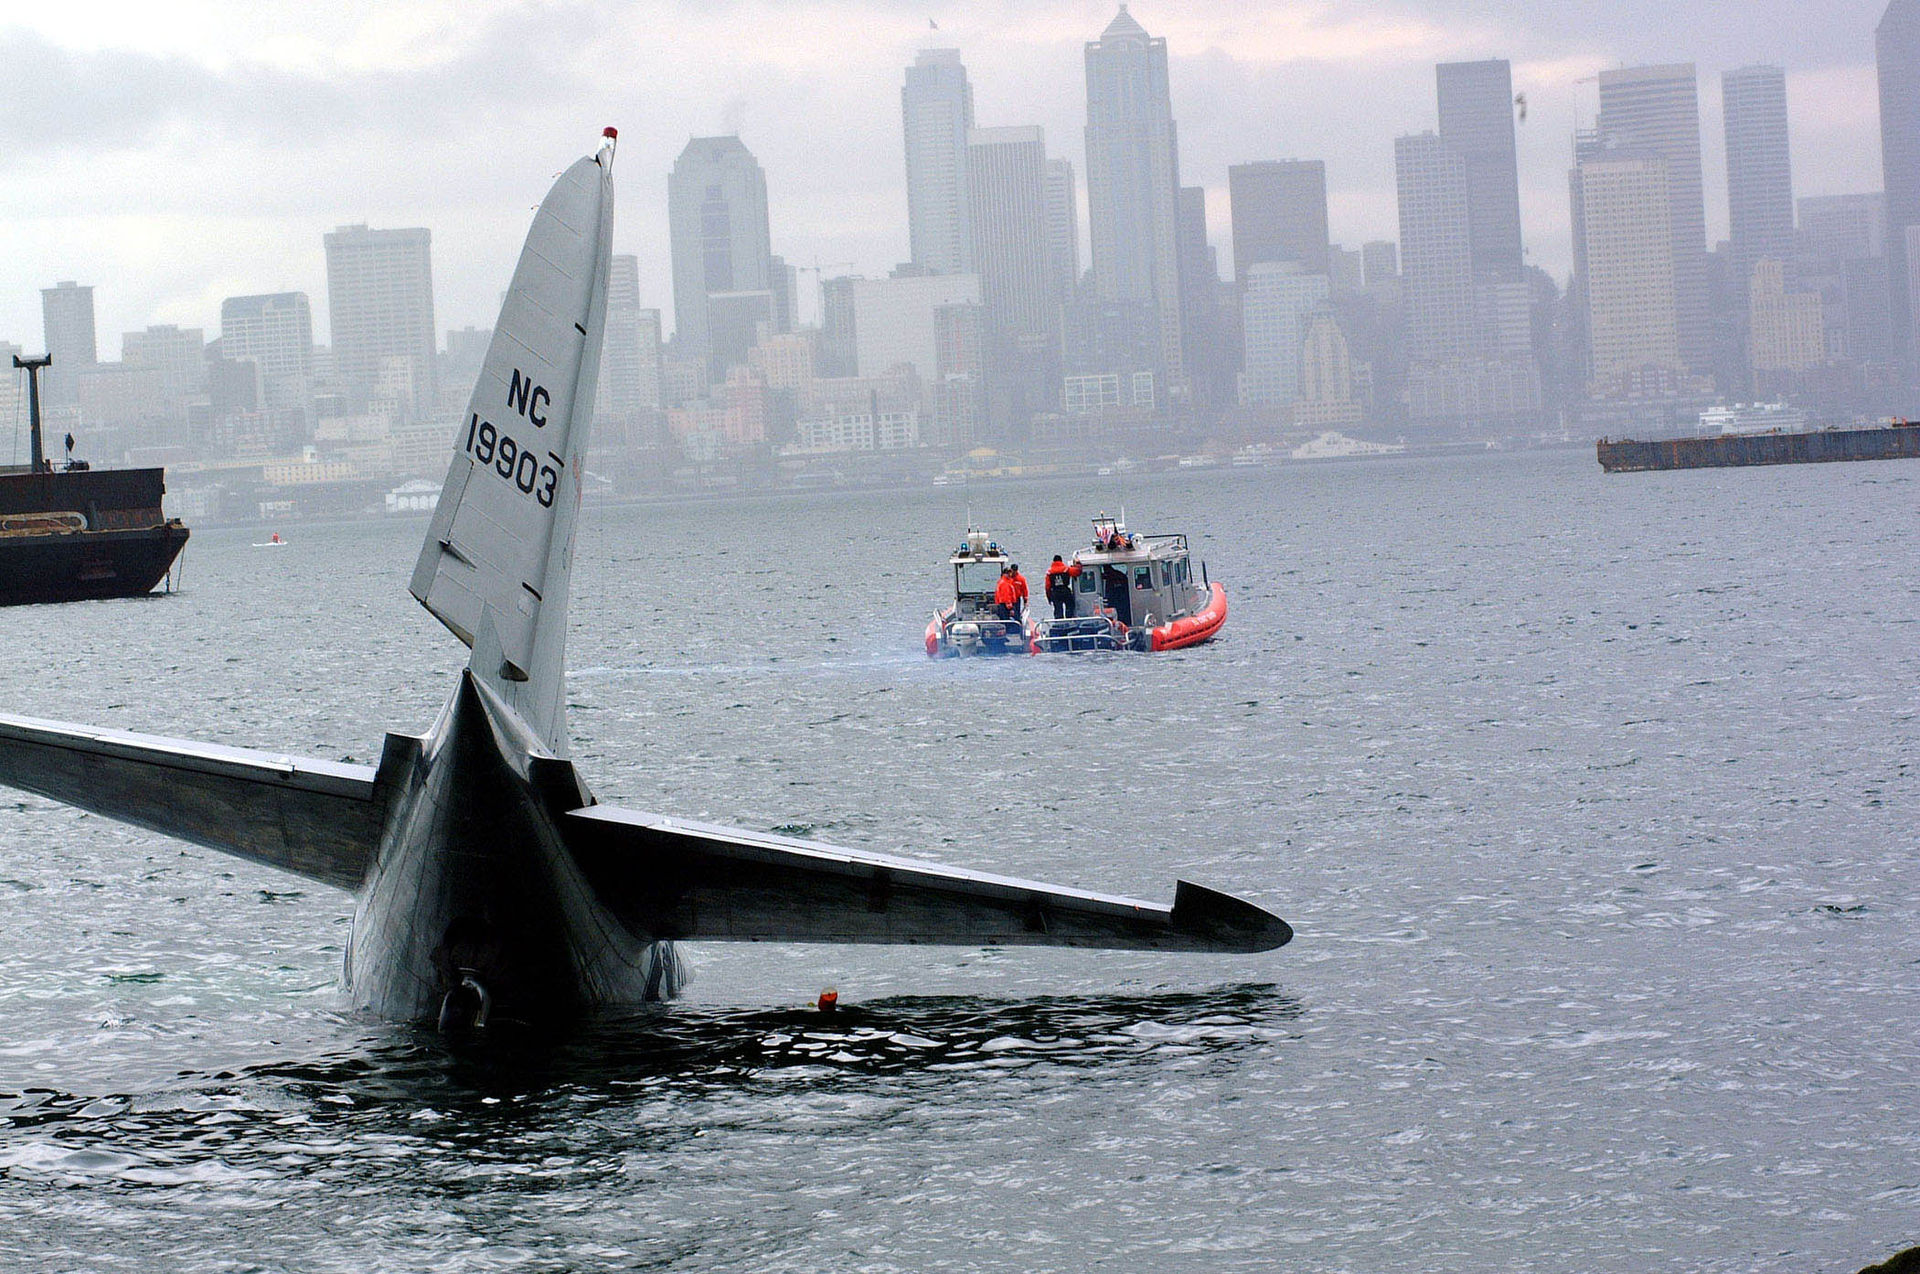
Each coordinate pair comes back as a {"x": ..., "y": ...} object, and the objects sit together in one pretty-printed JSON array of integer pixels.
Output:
[
  {"x": 1004, "y": 593},
  {"x": 1059, "y": 579}
]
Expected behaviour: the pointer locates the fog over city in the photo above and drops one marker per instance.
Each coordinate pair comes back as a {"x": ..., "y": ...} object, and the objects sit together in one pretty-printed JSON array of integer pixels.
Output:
[
  {"x": 176, "y": 154},
  {"x": 868, "y": 244}
]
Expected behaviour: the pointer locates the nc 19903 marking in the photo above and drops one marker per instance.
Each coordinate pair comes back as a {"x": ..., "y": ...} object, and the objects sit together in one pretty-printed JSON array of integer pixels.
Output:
[{"x": 497, "y": 450}]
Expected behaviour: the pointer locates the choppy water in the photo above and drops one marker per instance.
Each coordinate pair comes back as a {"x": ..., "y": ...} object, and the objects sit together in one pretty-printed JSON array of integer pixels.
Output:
[{"x": 1592, "y": 801}]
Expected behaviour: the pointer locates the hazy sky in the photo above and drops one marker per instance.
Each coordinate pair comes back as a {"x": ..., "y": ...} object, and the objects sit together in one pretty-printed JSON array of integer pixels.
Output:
[{"x": 172, "y": 154}]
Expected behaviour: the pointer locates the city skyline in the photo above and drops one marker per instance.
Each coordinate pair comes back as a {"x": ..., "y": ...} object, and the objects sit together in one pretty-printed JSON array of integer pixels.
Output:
[{"x": 142, "y": 253}]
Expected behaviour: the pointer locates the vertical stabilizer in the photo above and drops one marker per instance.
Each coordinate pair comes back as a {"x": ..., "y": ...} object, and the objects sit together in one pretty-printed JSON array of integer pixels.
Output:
[{"x": 495, "y": 563}]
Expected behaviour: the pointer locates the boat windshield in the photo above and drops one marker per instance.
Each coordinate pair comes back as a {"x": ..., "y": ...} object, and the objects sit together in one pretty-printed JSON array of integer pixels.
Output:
[{"x": 978, "y": 578}]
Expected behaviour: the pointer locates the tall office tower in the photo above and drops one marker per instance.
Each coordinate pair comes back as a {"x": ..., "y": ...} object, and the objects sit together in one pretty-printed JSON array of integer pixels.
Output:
[
  {"x": 1436, "y": 248},
  {"x": 1626, "y": 265},
  {"x": 837, "y": 348},
  {"x": 178, "y": 354},
  {"x": 1786, "y": 330},
  {"x": 1277, "y": 299},
  {"x": 1843, "y": 227},
  {"x": 1476, "y": 120},
  {"x": 1655, "y": 110},
  {"x": 275, "y": 332},
  {"x": 1381, "y": 260},
  {"x": 1209, "y": 366},
  {"x": 783, "y": 281},
  {"x": 1279, "y": 209},
  {"x": 1346, "y": 270},
  {"x": 1007, "y": 209},
  {"x": 1759, "y": 173},
  {"x": 66, "y": 319},
  {"x": 1133, "y": 180},
  {"x": 618, "y": 394},
  {"x": 936, "y": 110},
  {"x": 1063, "y": 228},
  {"x": 380, "y": 307},
  {"x": 717, "y": 220},
  {"x": 1896, "y": 44}
]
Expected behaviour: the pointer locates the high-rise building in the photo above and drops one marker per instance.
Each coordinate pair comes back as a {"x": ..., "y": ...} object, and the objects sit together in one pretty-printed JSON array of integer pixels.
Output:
[
  {"x": 1007, "y": 202},
  {"x": 1278, "y": 299},
  {"x": 66, "y": 318},
  {"x": 894, "y": 320},
  {"x": 1896, "y": 43},
  {"x": 1476, "y": 120},
  {"x": 275, "y": 332},
  {"x": 936, "y": 109},
  {"x": 1843, "y": 227},
  {"x": 1626, "y": 265},
  {"x": 1655, "y": 111},
  {"x": 717, "y": 221},
  {"x": 380, "y": 308},
  {"x": 178, "y": 354},
  {"x": 1436, "y": 248},
  {"x": 1063, "y": 228},
  {"x": 622, "y": 368},
  {"x": 1788, "y": 334},
  {"x": 1279, "y": 209},
  {"x": 837, "y": 350},
  {"x": 1381, "y": 260},
  {"x": 1759, "y": 172},
  {"x": 1209, "y": 367},
  {"x": 1133, "y": 180}
]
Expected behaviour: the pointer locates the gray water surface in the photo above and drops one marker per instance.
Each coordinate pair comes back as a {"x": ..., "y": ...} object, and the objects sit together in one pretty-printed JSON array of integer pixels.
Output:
[{"x": 1592, "y": 801}]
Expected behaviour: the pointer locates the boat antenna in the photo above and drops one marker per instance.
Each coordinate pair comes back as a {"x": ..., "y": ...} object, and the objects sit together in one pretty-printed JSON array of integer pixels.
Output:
[{"x": 33, "y": 366}]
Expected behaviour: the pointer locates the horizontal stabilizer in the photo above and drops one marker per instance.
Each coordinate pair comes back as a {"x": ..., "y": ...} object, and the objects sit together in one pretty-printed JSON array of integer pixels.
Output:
[
  {"x": 319, "y": 819},
  {"x": 668, "y": 878}
]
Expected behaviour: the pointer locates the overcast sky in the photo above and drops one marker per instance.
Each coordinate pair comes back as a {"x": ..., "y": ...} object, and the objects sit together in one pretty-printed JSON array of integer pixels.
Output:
[{"x": 173, "y": 154}]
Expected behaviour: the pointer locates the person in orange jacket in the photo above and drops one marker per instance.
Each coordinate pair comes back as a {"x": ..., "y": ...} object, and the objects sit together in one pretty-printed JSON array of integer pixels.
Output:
[
  {"x": 1019, "y": 588},
  {"x": 1060, "y": 577},
  {"x": 1006, "y": 596}
]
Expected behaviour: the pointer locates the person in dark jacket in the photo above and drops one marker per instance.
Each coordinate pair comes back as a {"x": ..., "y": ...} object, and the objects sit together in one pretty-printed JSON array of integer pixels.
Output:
[{"x": 1060, "y": 577}]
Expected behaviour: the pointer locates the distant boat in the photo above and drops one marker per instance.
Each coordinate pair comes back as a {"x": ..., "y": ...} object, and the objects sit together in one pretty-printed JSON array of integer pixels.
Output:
[
  {"x": 271, "y": 542},
  {"x": 971, "y": 625}
]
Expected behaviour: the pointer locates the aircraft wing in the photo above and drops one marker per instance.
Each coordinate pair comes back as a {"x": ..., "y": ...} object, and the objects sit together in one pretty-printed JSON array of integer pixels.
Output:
[
  {"x": 319, "y": 819},
  {"x": 668, "y": 878}
]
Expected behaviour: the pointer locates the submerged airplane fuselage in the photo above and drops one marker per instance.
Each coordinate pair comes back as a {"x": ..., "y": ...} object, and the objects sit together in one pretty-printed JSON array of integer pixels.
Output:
[{"x": 490, "y": 884}]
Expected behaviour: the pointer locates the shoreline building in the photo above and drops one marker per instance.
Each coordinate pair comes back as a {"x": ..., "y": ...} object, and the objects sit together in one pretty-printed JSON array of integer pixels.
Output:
[
  {"x": 66, "y": 320},
  {"x": 1133, "y": 182}
]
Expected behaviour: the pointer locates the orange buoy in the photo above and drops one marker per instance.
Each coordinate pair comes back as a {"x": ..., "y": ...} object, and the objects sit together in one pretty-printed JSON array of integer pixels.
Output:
[{"x": 829, "y": 1000}]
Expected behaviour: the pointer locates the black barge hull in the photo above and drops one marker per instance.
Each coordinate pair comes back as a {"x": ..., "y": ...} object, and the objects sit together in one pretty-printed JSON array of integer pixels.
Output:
[
  {"x": 1884, "y": 442},
  {"x": 87, "y": 565}
]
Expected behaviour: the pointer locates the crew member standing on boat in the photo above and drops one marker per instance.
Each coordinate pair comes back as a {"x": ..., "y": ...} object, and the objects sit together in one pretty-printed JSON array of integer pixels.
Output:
[
  {"x": 1020, "y": 591},
  {"x": 1006, "y": 598},
  {"x": 1060, "y": 586}
]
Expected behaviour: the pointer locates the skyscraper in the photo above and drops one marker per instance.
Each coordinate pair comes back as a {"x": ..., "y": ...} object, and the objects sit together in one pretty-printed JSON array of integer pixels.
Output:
[
  {"x": 275, "y": 331},
  {"x": 178, "y": 354},
  {"x": 1209, "y": 367},
  {"x": 1063, "y": 228},
  {"x": 1278, "y": 299},
  {"x": 717, "y": 220},
  {"x": 936, "y": 109},
  {"x": 1626, "y": 264},
  {"x": 66, "y": 319},
  {"x": 1655, "y": 111},
  {"x": 1896, "y": 44},
  {"x": 1476, "y": 120},
  {"x": 380, "y": 307},
  {"x": 619, "y": 394},
  {"x": 1436, "y": 247},
  {"x": 1279, "y": 209},
  {"x": 1007, "y": 199},
  {"x": 1133, "y": 180},
  {"x": 1759, "y": 172}
]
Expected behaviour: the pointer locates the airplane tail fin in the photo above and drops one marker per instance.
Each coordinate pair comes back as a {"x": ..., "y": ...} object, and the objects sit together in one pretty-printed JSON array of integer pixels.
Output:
[{"x": 495, "y": 565}]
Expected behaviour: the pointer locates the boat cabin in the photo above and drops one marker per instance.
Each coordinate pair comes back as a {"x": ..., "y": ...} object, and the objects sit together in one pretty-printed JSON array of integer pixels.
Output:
[
  {"x": 1142, "y": 580},
  {"x": 977, "y": 564}
]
